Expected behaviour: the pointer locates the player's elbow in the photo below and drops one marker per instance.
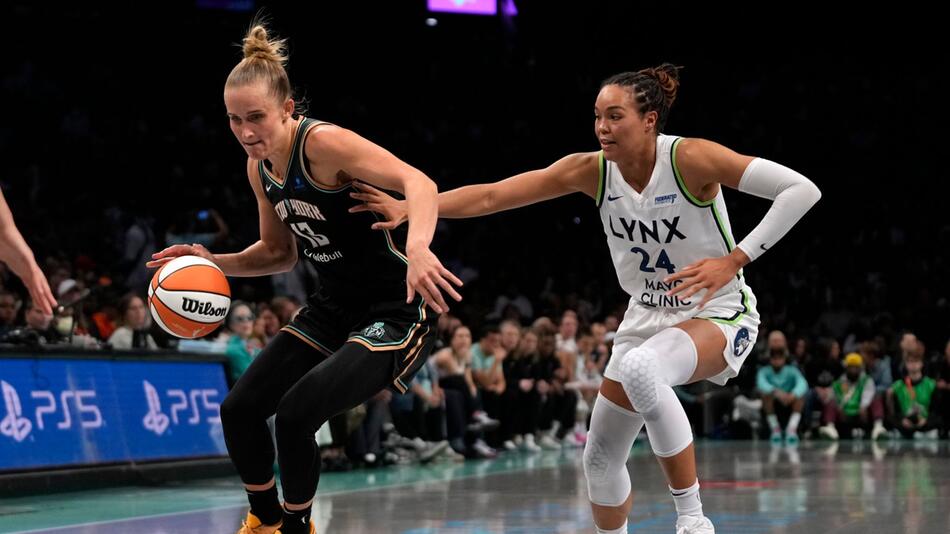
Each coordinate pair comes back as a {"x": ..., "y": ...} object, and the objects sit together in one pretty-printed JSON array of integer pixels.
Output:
[
  {"x": 285, "y": 257},
  {"x": 421, "y": 185}
]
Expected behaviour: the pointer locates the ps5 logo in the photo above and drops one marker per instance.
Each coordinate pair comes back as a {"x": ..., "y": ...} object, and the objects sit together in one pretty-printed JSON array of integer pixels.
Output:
[
  {"x": 192, "y": 400},
  {"x": 154, "y": 420},
  {"x": 15, "y": 426}
]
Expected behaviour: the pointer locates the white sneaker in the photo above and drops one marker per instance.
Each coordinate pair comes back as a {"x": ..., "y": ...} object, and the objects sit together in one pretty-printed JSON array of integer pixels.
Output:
[
  {"x": 877, "y": 431},
  {"x": 509, "y": 445},
  {"x": 549, "y": 443},
  {"x": 483, "y": 418},
  {"x": 529, "y": 445},
  {"x": 483, "y": 450},
  {"x": 482, "y": 423},
  {"x": 857, "y": 433},
  {"x": 828, "y": 431},
  {"x": 519, "y": 439},
  {"x": 687, "y": 524},
  {"x": 450, "y": 454}
]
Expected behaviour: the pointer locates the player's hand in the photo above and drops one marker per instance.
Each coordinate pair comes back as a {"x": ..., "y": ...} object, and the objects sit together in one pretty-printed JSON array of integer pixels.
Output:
[
  {"x": 426, "y": 275},
  {"x": 710, "y": 274},
  {"x": 36, "y": 283},
  {"x": 394, "y": 211},
  {"x": 174, "y": 251},
  {"x": 526, "y": 384},
  {"x": 40, "y": 293}
]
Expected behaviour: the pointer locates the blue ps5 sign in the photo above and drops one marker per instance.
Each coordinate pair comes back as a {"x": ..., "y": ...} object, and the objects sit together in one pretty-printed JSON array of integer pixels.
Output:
[{"x": 61, "y": 412}]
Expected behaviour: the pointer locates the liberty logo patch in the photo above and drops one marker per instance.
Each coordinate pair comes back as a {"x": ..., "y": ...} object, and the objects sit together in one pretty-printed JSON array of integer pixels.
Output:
[
  {"x": 741, "y": 342},
  {"x": 664, "y": 199},
  {"x": 376, "y": 330}
]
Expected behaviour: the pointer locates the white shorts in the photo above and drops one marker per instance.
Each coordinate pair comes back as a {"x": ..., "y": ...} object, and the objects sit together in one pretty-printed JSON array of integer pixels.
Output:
[{"x": 733, "y": 313}]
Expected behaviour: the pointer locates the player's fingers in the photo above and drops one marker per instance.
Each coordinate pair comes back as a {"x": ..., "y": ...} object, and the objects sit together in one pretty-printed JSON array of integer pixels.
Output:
[
  {"x": 451, "y": 276},
  {"x": 435, "y": 295},
  {"x": 385, "y": 225},
  {"x": 449, "y": 290}
]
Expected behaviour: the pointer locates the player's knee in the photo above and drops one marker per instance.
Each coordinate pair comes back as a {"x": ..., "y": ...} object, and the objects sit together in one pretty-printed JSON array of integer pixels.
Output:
[
  {"x": 297, "y": 415},
  {"x": 608, "y": 483},
  {"x": 237, "y": 407},
  {"x": 638, "y": 370}
]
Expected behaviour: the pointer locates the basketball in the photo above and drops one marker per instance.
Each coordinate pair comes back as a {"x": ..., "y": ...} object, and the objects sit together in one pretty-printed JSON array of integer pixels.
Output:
[{"x": 189, "y": 297}]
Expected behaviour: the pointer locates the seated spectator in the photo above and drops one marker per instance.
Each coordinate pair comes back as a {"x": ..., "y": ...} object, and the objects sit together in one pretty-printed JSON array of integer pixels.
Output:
[
  {"x": 267, "y": 324},
  {"x": 520, "y": 421},
  {"x": 585, "y": 378},
  {"x": 558, "y": 404},
  {"x": 463, "y": 408},
  {"x": 908, "y": 400},
  {"x": 420, "y": 413},
  {"x": 9, "y": 307},
  {"x": 242, "y": 346},
  {"x": 567, "y": 333},
  {"x": 487, "y": 358},
  {"x": 39, "y": 321},
  {"x": 783, "y": 384},
  {"x": 134, "y": 322},
  {"x": 850, "y": 409}
]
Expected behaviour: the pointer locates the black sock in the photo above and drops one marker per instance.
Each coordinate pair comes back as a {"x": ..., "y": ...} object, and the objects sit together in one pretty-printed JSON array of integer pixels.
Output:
[
  {"x": 296, "y": 521},
  {"x": 265, "y": 505}
]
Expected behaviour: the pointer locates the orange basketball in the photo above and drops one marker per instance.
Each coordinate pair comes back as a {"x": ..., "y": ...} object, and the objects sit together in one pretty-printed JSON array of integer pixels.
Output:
[{"x": 189, "y": 297}]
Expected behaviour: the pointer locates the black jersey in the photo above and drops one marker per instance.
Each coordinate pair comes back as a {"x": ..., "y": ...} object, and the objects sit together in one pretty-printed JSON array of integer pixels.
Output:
[{"x": 353, "y": 260}]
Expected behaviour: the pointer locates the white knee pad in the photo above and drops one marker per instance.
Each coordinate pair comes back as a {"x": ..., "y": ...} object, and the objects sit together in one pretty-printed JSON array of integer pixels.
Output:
[
  {"x": 612, "y": 433},
  {"x": 668, "y": 426},
  {"x": 667, "y": 358},
  {"x": 639, "y": 377}
]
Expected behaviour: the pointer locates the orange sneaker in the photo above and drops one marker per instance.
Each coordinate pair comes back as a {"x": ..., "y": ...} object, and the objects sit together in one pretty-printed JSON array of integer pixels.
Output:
[{"x": 253, "y": 525}]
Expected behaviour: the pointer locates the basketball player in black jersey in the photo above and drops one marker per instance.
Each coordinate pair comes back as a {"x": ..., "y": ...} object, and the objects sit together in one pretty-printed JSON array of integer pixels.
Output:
[{"x": 368, "y": 327}]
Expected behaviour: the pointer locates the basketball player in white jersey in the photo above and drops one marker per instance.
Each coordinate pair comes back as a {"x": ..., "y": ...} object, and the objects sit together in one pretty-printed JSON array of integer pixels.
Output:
[{"x": 691, "y": 315}]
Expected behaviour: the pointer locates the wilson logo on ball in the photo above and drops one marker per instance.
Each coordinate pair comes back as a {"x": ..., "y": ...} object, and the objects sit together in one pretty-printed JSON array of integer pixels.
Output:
[{"x": 202, "y": 308}]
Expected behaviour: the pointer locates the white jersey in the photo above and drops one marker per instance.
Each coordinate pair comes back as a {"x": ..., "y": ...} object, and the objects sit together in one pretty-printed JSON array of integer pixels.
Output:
[{"x": 661, "y": 230}]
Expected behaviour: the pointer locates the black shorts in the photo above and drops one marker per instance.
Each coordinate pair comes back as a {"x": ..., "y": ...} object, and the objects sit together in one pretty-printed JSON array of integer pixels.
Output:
[{"x": 408, "y": 331}]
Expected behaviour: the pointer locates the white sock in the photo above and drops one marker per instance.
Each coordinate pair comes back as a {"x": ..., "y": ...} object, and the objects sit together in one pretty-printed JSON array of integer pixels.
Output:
[
  {"x": 773, "y": 422},
  {"x": 793, "y": 420},
  {"x": 621, "y": 530},
  {"x": 687, "y": 500}
]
